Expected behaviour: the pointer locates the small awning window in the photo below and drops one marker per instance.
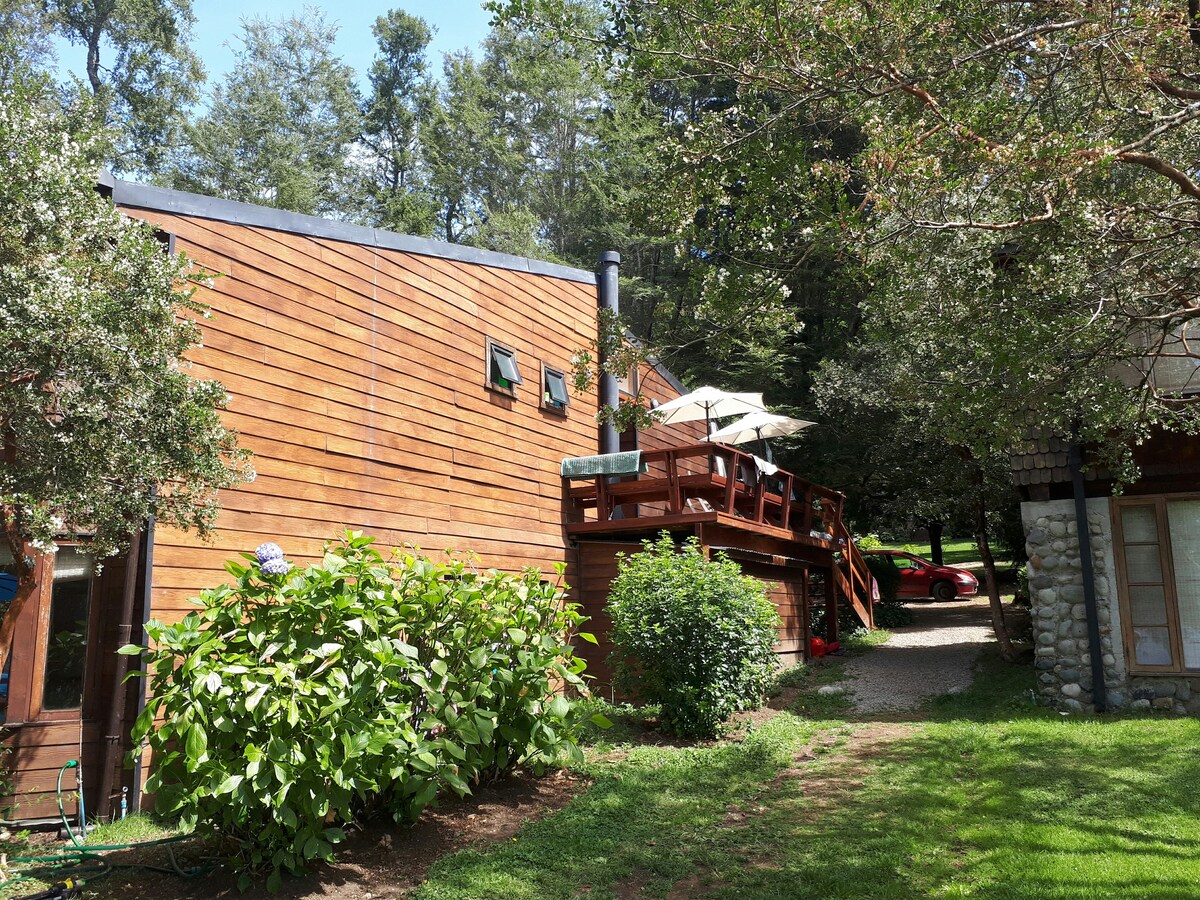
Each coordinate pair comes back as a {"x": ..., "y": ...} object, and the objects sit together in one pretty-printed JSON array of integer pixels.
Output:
[
  {"x": 503, "y": 368},
  {"x": 556, "y": 388}
]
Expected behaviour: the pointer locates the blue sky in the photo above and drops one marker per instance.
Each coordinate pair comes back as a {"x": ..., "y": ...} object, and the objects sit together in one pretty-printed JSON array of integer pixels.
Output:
[{"x": 457, "y": 24}]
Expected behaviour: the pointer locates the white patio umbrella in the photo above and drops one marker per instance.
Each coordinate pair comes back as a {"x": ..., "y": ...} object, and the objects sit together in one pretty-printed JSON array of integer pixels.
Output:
[
  {"x": 759, "y": 426},
  {"x": 707, "y": 403}
]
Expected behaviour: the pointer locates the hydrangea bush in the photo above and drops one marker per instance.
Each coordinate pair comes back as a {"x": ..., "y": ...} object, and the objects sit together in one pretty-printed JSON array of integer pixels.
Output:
[
  {"x": 296, "y": 701},
  {"x": 691, "y": 633}
]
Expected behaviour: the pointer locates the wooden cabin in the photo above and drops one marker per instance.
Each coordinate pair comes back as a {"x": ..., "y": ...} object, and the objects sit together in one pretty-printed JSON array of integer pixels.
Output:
[
  {"x": 1114, "y": 579},
  {"x": 409, "y": 388}
]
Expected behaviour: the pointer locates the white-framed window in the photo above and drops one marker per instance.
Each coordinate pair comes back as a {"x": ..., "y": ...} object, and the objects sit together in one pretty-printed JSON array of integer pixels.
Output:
[{"x": 1157, "y": 549}]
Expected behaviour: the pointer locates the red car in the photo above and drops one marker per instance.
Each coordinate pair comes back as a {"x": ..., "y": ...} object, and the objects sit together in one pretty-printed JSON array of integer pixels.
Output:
[{"x": 921, "y": 578}]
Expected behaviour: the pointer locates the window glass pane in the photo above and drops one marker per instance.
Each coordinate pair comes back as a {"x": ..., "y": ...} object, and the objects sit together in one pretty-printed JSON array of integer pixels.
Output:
[
  {"x": 506, "y": 364},
  {"x": 1142, "y": 564},
  {"x": 556, "y": 388},
  {"x": 1147, "y": 604},
  {"x": 66, "y": 642},
  {"x": 1151, "y": 647},
  {"x": 1139, "y": 525},
  {"x": 1183, "y": 518}
]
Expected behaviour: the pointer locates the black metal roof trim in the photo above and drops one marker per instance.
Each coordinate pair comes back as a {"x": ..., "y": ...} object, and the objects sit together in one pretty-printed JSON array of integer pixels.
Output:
[
  {"x": 144, "y": 196},
  {"x": 667, "y": 376}
]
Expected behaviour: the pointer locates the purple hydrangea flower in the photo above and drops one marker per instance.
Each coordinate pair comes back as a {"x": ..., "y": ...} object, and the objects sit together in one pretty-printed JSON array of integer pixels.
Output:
[
  {"x": 268, "y": 551},
  {"x": 276, "y": 567}
]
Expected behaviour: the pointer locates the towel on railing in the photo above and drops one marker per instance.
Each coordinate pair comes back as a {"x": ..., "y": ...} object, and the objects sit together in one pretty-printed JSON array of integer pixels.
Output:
[
  {"x": 628, "y": 463},
  {"x": 764, "y": 467}
]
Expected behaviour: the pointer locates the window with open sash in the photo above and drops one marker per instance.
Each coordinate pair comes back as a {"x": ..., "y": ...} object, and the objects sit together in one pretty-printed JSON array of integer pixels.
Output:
[
  {"x": 1158, "y": 567},
  {"x": 554, "y": 390},
  {"x": 502, "y": 371}
]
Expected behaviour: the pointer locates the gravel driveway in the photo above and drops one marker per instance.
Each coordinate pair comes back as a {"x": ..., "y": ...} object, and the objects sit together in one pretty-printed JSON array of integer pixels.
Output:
[{"x": 933, "y": 656}]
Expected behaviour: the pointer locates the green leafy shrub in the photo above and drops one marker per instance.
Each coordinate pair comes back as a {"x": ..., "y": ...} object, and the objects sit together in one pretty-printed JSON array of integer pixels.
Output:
[
  {"x": 892, "y": 614},
  {"x": 870, "y": 541},
  {"x": 886, "y": 575},
  {"x": 693, "y": 634},
  {"x": 295, "y": 702}
]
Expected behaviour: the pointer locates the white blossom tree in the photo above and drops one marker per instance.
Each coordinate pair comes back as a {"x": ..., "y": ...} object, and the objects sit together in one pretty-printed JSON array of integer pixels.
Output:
[{"x": 100, "y": 424}]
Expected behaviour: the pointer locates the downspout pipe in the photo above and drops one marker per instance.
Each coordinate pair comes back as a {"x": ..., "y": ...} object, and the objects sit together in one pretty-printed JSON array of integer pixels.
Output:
[
  {"x": 135, "y": 791},
  {"x": 116, "y": 710},
  {"x": 606, "y": 299},
  {"x": 1084, "y": 533}
]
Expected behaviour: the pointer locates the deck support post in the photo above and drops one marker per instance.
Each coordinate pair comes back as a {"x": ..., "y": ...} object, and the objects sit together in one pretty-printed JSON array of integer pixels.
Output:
[{"x": 831, "y": 606}]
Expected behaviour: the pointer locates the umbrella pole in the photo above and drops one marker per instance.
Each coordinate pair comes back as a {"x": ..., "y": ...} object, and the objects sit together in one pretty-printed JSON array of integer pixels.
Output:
[
  {"x": 712, "y": 463},
  {"x": 766, "y": 446}
]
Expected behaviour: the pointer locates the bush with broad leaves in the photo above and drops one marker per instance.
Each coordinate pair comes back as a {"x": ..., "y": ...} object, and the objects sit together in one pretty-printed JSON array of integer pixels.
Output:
[
  {"x": 292, "y": 704},
  {"x": 693, "y": 634}
]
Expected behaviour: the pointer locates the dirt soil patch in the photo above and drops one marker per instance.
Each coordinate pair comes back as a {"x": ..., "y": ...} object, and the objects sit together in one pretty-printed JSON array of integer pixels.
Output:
[{"x": 381, "y": 862}]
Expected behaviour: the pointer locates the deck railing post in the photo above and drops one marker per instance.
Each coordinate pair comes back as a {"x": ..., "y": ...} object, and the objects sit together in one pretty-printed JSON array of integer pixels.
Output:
[
  {"x": 785, "y": 504},
  {"x": 674, "y": 499},
  {"x": 730, "y": 481}
]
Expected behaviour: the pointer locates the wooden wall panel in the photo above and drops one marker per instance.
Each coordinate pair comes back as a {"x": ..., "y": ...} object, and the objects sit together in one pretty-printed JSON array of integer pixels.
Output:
[
  {"x": 357, "y": 378},
  {"x": 654, "y": 386},
  {"x": 598, "y": 562}
]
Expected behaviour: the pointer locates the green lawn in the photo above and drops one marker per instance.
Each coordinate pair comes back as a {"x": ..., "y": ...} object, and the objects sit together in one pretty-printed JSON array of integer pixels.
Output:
[
  {"x": 954, "y": 552},
  {"x": 983, "y": 795},
  {"x": 990, "y": 797}
]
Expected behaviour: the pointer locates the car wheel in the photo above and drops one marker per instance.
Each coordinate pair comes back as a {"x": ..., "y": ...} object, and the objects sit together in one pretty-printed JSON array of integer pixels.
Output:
[{"x": 943, "y": 591}]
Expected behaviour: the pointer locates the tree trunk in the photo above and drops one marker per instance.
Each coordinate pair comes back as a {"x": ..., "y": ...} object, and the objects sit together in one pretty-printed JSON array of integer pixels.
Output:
[
  {"x": 989, "y": 577},
  {"x": 93, "y": 61},
  {"x": 935, "y": 542}
]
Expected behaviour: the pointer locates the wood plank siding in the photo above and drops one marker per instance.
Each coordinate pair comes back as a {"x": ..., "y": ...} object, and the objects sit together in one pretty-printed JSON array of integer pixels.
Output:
[{"x": 357, "y": 377}]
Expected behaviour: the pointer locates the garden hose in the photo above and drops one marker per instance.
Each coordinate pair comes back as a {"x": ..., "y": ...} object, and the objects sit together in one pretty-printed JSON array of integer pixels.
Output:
[
  {"x": 69, "y": 764},
  {"x": 64, "y": 890},
  {"x": 88, "y": 859}
]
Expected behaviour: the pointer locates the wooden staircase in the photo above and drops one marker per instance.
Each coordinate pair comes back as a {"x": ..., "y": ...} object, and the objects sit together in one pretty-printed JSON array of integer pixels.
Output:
[{"x": 852, "y": 580}]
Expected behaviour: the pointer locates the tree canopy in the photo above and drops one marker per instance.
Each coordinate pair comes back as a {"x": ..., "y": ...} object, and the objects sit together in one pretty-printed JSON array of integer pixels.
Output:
[
  {"x": 101, "y": 425},
  {"x": 280, "y": 126},
  {"x": 146, "y": 89}
]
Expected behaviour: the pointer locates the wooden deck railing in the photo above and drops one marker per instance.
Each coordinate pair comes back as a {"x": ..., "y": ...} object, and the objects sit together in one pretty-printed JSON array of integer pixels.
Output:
[
  {"x": 707, "y": 478},
  {"x": 713, "y": 477}
]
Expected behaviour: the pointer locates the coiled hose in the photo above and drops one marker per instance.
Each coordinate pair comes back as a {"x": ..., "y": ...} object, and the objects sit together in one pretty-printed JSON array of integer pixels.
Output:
[{"x": 88, "y": 859}]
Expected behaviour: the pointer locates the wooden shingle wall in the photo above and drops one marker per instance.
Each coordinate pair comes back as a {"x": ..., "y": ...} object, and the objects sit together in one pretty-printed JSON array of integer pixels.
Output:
[
  {"x": 656, "y": 386},
  {"x": 357, "y": 377}
]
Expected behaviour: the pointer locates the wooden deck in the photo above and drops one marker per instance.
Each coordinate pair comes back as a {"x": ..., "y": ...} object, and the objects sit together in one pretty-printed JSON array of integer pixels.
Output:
[
  {"x": 710, "y": 482},
  {"x": 784, "y": 529}
]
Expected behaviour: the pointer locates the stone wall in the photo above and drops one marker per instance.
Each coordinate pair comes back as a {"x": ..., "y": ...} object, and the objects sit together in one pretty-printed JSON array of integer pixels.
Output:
[{"x": 1062, "y": 655}]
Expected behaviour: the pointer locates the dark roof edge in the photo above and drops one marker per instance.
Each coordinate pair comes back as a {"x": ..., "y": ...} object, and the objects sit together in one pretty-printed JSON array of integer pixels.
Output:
[
  {"x": 144, "y": 196},
  {"x": 668, "y": 375},
  {"x": 657, "y": 365}
]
